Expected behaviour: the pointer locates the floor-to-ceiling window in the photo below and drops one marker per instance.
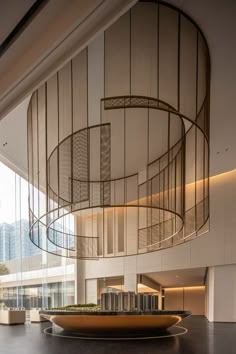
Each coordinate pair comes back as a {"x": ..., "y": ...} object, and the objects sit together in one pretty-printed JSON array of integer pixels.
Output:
[{"x": 29, "y": 277}]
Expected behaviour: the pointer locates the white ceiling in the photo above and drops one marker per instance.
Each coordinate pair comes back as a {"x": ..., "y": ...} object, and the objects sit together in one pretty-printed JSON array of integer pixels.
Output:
[
  {"x": 13, "y": 142},
  {"x": 179, "y": 278},
  {"x": 12, "y": 12},
  {"x": 59, "y": 31}
]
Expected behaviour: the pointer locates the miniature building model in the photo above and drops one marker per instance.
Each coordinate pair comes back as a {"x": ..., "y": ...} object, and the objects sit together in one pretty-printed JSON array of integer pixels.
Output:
[{"x": 128, "y": 301}]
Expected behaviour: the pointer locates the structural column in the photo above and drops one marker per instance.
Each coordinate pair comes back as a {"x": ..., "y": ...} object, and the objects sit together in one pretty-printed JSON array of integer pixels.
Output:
[
  {"x": 221, "y": 294},
  {"x": 79, "y": 282},
  {"x": 130, "y": 274},
  {"x": 91, "y": 291}
]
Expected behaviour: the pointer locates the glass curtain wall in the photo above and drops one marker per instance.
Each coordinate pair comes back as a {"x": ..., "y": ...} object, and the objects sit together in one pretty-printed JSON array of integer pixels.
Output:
[{"x": 29, "y": 277}]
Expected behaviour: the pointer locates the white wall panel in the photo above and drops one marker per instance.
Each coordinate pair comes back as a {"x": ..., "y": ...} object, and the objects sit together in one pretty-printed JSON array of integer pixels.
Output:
[
  {"x": 188, "y": 50},
  {"x": 144, "y": 50},
  {"x": 52, "y": 112},
  {"x": 65, "y": 109},
  {"x": 225, "y": 293},
  {"x": 221, "y": 293},
  {"x": 168, "y": 64},
  {"x": 117, "y": 58},
  {"x": 91, "y": 289},
  {"x": 79, "y": 64},
  {"x": 95, "y": 78}
]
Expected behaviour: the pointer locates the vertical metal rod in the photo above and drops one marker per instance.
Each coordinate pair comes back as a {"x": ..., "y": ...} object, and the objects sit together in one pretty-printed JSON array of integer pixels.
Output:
[
  {"x": 46, "y": 157},
  {"x": 33, "y": 148},
  {"x": 158, "y": 48},
  {"x": 163, "y": 212},
  {"x": 29, "y": 134},
  {"x": 72, "y": 136},
  {"x": 168, "y": 168},
  {"x": 58, "y": 150},
  {"x": 130, "y": 55},
  {"x": 178, "y": 59},
  {"x": 125, "y": 182},
  {"x": 183, "y": 178},
  {"x": 196, "y": 139},
  {"x": 159, "y": 193},
  {"x": 88, "y": 134},
  {"x": 175, "y": 202},
  {"x": 38, "y": 159},
  {"x": 147, "y": 180}
]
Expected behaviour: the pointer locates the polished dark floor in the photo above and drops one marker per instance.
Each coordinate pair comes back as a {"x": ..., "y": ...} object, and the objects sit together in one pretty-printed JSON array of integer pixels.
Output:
[{"x": 202, "y": 337}]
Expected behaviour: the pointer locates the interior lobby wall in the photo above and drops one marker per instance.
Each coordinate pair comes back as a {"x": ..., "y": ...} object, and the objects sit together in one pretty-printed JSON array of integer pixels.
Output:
[
  {"x": 174, "y": 299},
  {"x": 216, "y": 250},
  {"x": 189, "y": 298},
  {"x": 194, "y": 300},
  {"x": 217, "y": 247}
]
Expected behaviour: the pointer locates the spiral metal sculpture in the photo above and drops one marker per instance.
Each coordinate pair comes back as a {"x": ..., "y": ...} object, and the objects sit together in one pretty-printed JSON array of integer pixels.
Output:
[{"x": 119, "y": 138}]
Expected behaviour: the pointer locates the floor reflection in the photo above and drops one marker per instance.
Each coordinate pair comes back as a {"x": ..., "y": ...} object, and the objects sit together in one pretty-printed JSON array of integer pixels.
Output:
[{"x": 172, "y": 332}]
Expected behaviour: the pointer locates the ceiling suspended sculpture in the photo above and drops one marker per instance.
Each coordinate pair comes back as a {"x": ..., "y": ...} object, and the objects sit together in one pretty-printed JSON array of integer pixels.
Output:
[{"x": 119, "y": 138}]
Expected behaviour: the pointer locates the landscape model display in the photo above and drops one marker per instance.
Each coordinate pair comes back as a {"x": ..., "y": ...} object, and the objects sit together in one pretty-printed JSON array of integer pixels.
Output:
[{"x": 120, "y": 314}]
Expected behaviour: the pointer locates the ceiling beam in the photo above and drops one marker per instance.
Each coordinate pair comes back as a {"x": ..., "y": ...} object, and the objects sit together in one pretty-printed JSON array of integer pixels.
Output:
[{"x": 59, "y": 31}]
